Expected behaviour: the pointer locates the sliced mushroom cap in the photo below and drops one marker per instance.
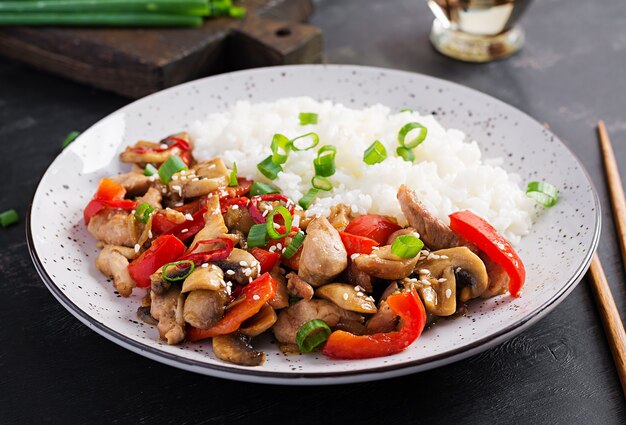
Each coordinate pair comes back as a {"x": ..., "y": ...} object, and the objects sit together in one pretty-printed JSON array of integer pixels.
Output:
[
  {"x": 240, "y": 266},
  {"x": 132, "y": 156},
  {"x": 143, "y": 314},
  {"x": 281, "y": 298},
  {"x": 238, "y": 220},
  {"x": 136, "y": 184},
  {"x": 460, "y": 267},
  {"x": 298, "y": 287},
  {"x": 382, "y": 263},
  {"x": 210, "y": 278},
  {"x": 158, "y": 284},
  {"x": 260, "y": 322},
  {"x": 202, "y": 179},
  {"x": 347, "y": 297},
  {"x": 439, "y": 295},
  {"x": 203, "y": 308},
  {"x": 405, "y": 231},
  {"x": 235, "y": 348},
  {"x": 356, "y": 277}
]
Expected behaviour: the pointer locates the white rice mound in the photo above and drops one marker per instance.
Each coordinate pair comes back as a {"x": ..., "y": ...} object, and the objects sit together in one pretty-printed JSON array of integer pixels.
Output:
[{"x": 449, "y": 173}]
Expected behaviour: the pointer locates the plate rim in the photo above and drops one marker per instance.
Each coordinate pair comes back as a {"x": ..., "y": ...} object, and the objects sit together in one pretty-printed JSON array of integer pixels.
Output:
[{"x": 375, "y": 373}]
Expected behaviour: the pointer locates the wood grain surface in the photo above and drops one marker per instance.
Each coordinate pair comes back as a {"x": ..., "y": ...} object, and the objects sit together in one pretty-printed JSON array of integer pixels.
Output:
[
  {"x": 560, "y": 371},
  {"x": 136, "y": 62}
]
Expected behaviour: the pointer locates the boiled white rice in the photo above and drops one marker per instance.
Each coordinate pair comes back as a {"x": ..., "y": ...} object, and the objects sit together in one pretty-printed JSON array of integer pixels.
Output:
[{"x": 449, "y": 173}]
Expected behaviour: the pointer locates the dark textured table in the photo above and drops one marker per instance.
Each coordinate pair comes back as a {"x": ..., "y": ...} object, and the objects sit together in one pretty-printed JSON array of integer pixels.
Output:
[{"x": 570, "y": 74}]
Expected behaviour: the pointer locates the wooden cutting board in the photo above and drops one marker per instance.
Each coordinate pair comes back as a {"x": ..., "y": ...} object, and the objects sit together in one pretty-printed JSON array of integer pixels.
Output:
[{"x": 137, "y": 62}]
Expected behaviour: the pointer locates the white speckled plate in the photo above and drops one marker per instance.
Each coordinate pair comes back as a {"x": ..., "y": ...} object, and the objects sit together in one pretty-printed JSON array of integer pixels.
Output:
[{"x": 556, "y": 253}]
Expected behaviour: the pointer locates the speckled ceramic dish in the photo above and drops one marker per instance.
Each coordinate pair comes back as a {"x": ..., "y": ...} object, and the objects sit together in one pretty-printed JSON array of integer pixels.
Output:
[{"x": 557, "y": 252}]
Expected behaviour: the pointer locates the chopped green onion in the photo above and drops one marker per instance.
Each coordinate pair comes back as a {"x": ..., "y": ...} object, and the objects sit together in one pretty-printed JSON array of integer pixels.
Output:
[
  {"x": 542, "y": 192},
  {"x": 143, "y": 211},
  {"x": 315, "y": 139},
  {"x": 8, "y": 218},
  {"x": 171, "y": 166},
  {"x": 312, "y": 334},
  {"x": 69, "y": 139},
  {"x": 257, "y": 236},
  {"x": 293, "y": 246},
  {"x": 150, "y": 170},
  {"x": 176, "y": 264},
  {"x": 404, "y": 131},
  {"x": 237, "y": 12},
  {"x": 233, "y": 176},
  {"x": 406, "y": 110},
  {"x": 321, "y": 183},
  {"x": 308, "y": 118},
  {"x": 281, "y": 146},
  {"x": 260, "y": 188},
  {"x": 325, "y": 162},
  {"x": 269, "y": 223},
  {"x": 269, "y": 168},
  {"x": 407, "y": 246},
  {"x": 375, "y": 153},
  {"x": 306, "y": 201},
  {"x": 406, "y": 154}
]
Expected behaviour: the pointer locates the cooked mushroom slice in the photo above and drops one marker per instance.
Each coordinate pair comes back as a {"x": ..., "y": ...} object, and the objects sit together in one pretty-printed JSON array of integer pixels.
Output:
[
  {"x": 498, "y": 277},
  {"x": 113, "y": 262},
  {"x": 347, "y": 297},
  {"x": 298, "y": 287},
  {"x": 383, "y": 321},
  {"x": 238, "y": 220},
  {"x": 340, "y": 216},
  {"x": 152, "y": 197},
  {"x": 405, "y": 231},
  {"x": 235, "y": 348},
  {"x": 115, "y": 227},
  {"x": 167, "y": 308},
  {"x": 281, "y": 298},
  {"x": 292, "y": 318},
  {"x": 323, "y": 254},
  {"x": 382, "y": 263},
  {"x": 203, "y": 308},
  {"x": 439, "y": 295},
  {"x": 202, "y": 179},
  {"x": 240, "y": 267},
  {"x": 464, "y": 269},
  {"x": 143, "y": 314},
  {"x": 136, "y": 184},
  {"x": 356, "y": 277},
  {"x": 260, "y": 322},
  {"x": 132, "y": 156},
  {"x": 210, "y": 278},
  {"x": 158, "y": 284},
  {"x": 214, "y": 226}
]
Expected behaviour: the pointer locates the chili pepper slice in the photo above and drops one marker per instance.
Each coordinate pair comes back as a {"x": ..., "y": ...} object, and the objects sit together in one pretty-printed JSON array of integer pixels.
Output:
[
  {"x": 253, "y": 298},
  {"x": 226, "y": 203},
  {"x": 478, "y": 231},
  {"x": 208, "y": 256},
  {"x": 242, "y": 188},
  {"x": 258, "y": 216},
  {"x": 407, "y": 305},
  {"x": 178, "y": 143}
]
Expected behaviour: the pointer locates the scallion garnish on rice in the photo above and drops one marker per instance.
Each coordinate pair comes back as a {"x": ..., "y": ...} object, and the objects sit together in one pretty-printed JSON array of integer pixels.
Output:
[
  {"x": 269, "y": 168},
  {"x": 308, "y": 118},
  {"x": 281, "y": 146},
  {"x": 544, "y": 193},
  {"x": 313, "y": 138},
  {"x": 375, "y": 153},
  {"x": 325, "y": 162},
  {"x": 260, "y": 188},
  {"x": 306, "y": 201},
  {"x": 406, "y": 154},
  {"x": 232, "y": 181},
  {"x": 408, "y": 128},
  {"x": 321, "y": 183}
]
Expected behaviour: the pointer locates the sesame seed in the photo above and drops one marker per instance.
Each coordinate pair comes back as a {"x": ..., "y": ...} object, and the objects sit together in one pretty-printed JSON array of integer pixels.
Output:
[
  {"x": 358, "y": 288},
  {"x": 354, "y": 256},
  {"x": 137, "y": 247},
  {"x": 163, "y": 146},
  {"x": 250, "y": 280},
  {"x": 243, "y": 264},
  {"x": 235, "y": 207},
  {"x": 266, "y": 212},
  {"x": 188, "y": 217},
  {"x": 184, "y": 231},
  {"x": 359, "y": 294},
  {"x": 279, "y": 246},
  {"x": 254, "y": 263},
  {"x": 443, "y": 257},
  {"x": 424, "y": 271},
  {"x": 247, "y": 272},
  {"x": 448, "y": 293},
  {"x": 230, "y": 272},
  {"x": 228, "y": 290},
  {"x": 179, "y": 204},
  {"x": 441, "y": 280},
  {"x": 205, "y": 266},
  {"x": 255, "y": 297},
  {"x": 174, "y": 177},
  {"x": 345, "y": 295},
  {"x": 150, "y": 234},
  {"x": 272, "y": 249}
]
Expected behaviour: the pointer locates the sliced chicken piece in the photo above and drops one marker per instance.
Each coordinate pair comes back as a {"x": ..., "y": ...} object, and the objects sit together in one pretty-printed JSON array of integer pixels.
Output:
[
  {"x": 214, "y": 226},
  {"x": 281, "y": 299},
  {"x": 356, "y": 277},
  {"x": 136, "y": 184},
  {"x": 203, "y": 308},
  {"x": 297, "y": 287},
  {"x": 132, "y": 156},
  {"x": 113, "y": 262},
  {"x": 433, "y": 232},
  {"x": 153, "y": 197},
  {"x": 340, "y": 216},
  {"x": 115, "y": 227},
  {"x": 168, "y": 310},
  {"x": 292, "y": 318},
  {"x": 323, "y": 254}
]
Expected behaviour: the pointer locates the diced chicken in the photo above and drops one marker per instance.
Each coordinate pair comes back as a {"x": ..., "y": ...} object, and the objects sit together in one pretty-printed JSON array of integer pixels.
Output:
[
  {"x": 153, "y": 197},
  {"x": 168, "y": 310},
  {"x": 297, "y": 287},
  {"x": 291, "y": 319},
  {"x": 131, "y": 155},
  {"x": 203, "y": 308},
  {"x": 115, "y": 227},
  {"x": 323, "y": 254},
  {"x": 113, "y": 262},
  {"x": 433, "y": 232},
  {"x": 136, "y": 184}
]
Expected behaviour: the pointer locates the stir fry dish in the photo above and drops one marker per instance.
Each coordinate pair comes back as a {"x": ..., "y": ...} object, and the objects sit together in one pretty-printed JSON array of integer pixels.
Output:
[{"x": 225, "y": 258}]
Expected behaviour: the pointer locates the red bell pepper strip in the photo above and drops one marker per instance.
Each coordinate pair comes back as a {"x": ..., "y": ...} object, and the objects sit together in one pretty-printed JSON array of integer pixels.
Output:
[
  {"x": 183, "y": 231},
  {"x": 372, "y": 226},
  {"x": 208, "y": 256},
  {"x": 407, "y": 305},
  {"x": 482, "y": 234},
  {"x": 357, "y": 244},
  {"x": 165, "y": 249},
  {"x": 109, "y": 194},
  {"x": 253, "y": 298},
  {"x": 266, "y": 259},
  {"x": 241, "y": 202},
  {"x": 242, "y": 188},
  {"x": 258, "y": 216}
]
